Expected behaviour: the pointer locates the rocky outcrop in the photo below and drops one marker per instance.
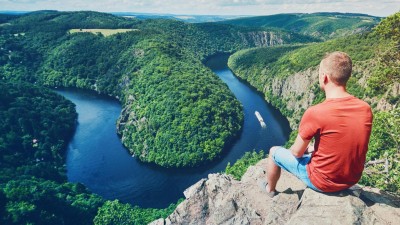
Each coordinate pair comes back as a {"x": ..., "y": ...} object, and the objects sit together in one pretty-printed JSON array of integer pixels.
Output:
[
  {"x": 344, "y": 32},
  {"x": 126, "y": 114},
  {"x": 296, "y": 91},
  {"x": 129, "y": 118},
  {"x": 263, "y": 38},
  {"x": 220, "y": 199},
  {"x": 384, "y": 103}
]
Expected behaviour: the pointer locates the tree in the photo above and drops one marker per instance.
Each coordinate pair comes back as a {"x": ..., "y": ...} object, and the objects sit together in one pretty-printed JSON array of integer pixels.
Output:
[{"x": 389, "y": 60}]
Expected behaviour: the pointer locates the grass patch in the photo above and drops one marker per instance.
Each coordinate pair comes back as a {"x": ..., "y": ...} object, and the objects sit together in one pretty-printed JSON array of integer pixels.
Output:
[
  {"x": 105, "y": 32},
  {"x": 241, "y": 165}
]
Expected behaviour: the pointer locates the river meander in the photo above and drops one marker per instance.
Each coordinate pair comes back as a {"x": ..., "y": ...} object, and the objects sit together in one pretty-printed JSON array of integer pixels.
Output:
[{"x": 97, "y": 158}]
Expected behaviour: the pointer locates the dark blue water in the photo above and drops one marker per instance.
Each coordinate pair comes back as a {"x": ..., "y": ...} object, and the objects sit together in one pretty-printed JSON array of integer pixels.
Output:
[{"x": 97, "y": 158}]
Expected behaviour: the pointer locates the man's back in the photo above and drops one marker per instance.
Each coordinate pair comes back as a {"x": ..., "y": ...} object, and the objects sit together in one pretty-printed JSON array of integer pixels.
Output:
[{"x": 342, "y": 127}]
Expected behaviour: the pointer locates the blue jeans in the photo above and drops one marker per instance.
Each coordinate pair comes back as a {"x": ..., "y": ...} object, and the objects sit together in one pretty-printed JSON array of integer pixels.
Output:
[{"x": 296, "y": 166}]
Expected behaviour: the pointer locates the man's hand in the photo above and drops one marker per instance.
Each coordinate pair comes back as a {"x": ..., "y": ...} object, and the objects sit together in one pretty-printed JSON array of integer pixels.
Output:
[{"x": 299, "y": 147}]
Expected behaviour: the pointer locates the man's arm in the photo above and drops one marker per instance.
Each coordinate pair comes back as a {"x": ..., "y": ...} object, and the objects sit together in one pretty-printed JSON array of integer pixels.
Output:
[{"x": 299, "y": 146}]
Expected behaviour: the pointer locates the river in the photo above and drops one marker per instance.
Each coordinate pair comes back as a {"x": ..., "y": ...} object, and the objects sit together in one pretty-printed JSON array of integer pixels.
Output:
[{"x": 97, "y": 158}]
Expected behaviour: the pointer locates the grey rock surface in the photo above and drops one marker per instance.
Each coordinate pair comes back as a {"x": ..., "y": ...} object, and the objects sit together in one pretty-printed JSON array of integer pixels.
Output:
[{"x": 221, "y": 199}]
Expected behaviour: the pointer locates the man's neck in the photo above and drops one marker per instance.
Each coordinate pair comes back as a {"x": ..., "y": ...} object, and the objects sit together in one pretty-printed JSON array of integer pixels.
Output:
[{"x": 336, "y": 92}]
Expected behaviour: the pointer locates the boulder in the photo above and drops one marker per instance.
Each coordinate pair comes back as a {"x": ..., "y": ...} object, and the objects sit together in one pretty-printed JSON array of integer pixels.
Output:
[{"x": 221, "y": 199}]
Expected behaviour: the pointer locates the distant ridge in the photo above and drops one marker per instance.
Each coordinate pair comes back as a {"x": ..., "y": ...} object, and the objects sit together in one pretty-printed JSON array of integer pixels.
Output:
[
  {"x": 14, "y": 12},
  {"x": 340, "y": 13},
  {"x": 182, "y": 17},
  {"x": 323, "y": 25},
  {"x": 199, "y": 18}
]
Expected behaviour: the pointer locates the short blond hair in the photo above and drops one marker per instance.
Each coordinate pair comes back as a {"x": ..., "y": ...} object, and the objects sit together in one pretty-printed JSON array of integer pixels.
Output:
[{"x": 338, "y": 66}]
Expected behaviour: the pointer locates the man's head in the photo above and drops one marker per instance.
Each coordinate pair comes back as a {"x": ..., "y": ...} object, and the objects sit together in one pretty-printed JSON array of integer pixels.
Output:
[{"x": 337, "y": 67}]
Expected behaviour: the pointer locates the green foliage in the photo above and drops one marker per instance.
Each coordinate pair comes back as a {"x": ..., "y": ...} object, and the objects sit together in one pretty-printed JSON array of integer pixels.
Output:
[
  {"x": 4, "y": 18},
  {"x": 254, "y": 61},
  {"x": 114, "y": 212},
  {"x": 320, "y": 25},
  {"x": 359, "y": 47},
  {"x": 389, "y": 27},
  {"x": 384, "y": 144},
  {"x": 238, "y": 169},
  {"x": 385, "y": 135},
  {"x": 184, "y": 115},
  {"x": 32, "y": 188},
  {"x": 388, "y": 70},
  {"x": 38, "y": 201},
  {"x": 354, "y": 88},
  {"x": 35, "y": 127},
  {"x": 292, "y": 138},
  {"x": 284, "y": 61}
]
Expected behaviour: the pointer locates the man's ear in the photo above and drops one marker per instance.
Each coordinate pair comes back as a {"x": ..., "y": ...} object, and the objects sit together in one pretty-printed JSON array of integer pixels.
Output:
[{"x": 326, "y": 78}]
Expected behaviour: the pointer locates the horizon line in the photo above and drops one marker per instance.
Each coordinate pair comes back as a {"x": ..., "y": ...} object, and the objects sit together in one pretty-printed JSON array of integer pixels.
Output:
[{"x": 172, "y": 14}]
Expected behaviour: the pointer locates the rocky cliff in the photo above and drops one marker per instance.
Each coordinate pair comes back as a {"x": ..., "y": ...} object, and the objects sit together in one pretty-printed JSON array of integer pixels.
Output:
[
  {"x": 296, "y": 91},
  {"x": 220, "y": 199},
  {"x": 264, "y": 38}
]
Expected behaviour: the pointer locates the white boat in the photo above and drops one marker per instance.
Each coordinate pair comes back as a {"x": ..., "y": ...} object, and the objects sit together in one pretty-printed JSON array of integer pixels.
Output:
[{"x": 260, "y": 119}]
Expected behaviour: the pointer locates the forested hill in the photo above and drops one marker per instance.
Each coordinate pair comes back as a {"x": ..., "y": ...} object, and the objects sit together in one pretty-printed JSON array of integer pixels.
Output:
[
  {"x": 285, "y": 75},
  {"x": 153, "y": 66},
  {"x": 319, "y": 25}
]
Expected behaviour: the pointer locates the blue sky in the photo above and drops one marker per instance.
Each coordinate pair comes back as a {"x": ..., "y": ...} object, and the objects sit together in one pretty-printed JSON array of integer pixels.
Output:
[{"x": 210, "y": 7}]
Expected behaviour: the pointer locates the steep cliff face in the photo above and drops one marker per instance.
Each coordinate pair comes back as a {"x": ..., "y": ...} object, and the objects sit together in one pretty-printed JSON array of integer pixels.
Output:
[
  {"x": 384, "y": 103},
  {"x": 263, "y": 38},
  {"x": 297, "y": 91},
  {"x": 222, "y": 200},
  {"x": 127, "y": 118}
]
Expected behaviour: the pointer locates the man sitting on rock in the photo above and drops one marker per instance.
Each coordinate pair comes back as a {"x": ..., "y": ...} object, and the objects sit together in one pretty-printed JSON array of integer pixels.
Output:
[{"x": 341, "y": 126}]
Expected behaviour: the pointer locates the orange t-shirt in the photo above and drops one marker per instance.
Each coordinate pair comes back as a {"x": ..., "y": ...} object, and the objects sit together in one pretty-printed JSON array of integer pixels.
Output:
[{"x": 341, "y": 127}]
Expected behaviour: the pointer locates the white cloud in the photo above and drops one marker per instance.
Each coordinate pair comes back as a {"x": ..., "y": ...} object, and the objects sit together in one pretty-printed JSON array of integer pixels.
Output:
[{"x": 221, "y": 7}]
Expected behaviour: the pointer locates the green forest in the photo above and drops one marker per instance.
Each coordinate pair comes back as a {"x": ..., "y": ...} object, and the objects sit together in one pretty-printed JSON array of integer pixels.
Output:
[
  {"x": 35, "y": 127},
  {"x": 155, "y": 70},
  {"x": 176, "y": 112}
]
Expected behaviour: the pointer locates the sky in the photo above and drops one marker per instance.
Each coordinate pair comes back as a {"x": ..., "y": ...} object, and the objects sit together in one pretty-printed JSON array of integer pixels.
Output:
[{"x": 209, "y": 7}]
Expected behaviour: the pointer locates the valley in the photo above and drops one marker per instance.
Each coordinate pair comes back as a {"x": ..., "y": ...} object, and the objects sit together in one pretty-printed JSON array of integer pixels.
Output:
[{"x": 176, "y": 113}]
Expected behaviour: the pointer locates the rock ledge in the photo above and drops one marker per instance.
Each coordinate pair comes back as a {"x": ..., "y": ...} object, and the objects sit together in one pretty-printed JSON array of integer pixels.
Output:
[{"x": 220, "y": 199}]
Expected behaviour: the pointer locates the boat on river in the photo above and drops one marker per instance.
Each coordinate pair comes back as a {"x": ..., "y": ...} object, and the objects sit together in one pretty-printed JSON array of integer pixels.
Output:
[{"x": 260, "y": 119}]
